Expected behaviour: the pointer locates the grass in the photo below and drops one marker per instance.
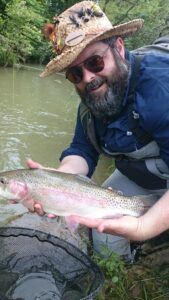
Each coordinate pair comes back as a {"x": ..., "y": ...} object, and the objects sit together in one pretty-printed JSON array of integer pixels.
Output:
[{"x": 148, "y": 279}]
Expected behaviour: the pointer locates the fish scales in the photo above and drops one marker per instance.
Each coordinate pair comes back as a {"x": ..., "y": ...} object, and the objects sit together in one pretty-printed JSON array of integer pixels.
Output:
[{"x": 68, "y": 194}]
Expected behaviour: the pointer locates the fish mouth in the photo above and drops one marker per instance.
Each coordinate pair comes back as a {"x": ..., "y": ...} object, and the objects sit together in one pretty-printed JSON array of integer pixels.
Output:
[{"x": 6, "y": 195}]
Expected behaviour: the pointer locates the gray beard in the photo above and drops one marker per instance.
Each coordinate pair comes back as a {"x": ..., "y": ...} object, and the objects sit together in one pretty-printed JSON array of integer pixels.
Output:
[{"x": 110, "y": 104}]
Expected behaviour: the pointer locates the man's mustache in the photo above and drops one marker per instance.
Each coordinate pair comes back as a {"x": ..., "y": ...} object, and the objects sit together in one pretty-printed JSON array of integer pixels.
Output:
[{"x": 94, "y": 84}]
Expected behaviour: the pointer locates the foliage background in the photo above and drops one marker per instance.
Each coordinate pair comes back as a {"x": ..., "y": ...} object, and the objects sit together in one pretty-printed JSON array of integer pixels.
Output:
[{"x": 21, "y": 21}]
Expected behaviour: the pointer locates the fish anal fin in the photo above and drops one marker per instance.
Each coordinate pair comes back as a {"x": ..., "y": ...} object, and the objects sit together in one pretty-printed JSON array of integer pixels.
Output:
[{"x": 71, "y": 224}]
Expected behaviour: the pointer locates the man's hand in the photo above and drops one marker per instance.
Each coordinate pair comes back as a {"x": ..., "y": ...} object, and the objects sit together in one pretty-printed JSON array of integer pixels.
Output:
[
  {"x": 35, "y": 165},
  {"x": 126, "y": 226}
]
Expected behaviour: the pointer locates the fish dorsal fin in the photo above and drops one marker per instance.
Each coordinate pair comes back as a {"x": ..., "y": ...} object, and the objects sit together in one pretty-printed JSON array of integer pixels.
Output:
[{"x": 86, "y": 179}]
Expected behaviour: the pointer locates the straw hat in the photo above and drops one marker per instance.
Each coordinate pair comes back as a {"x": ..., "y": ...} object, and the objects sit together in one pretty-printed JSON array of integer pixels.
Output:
[{"x": 78, "y": 26}]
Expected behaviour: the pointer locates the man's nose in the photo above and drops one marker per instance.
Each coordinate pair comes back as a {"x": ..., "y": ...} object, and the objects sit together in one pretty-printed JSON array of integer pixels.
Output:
[{"x": 88, "y": 76}]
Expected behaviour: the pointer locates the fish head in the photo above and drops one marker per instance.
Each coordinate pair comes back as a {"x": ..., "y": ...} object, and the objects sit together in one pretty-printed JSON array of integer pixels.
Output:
[{"x": 11, "y": 189}]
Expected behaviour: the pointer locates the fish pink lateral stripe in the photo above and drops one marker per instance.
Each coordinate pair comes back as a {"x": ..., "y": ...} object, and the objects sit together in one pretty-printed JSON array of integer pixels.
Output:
[{"x": 54, "y": 193}]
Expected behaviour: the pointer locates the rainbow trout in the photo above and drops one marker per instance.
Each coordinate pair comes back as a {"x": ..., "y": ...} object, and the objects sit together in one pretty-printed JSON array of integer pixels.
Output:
[{"x": 65, "y": 194}]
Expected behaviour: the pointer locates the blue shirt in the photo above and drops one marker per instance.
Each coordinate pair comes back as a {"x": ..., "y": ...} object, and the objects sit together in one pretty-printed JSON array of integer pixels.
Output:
[{"x": 152, "y": 105}]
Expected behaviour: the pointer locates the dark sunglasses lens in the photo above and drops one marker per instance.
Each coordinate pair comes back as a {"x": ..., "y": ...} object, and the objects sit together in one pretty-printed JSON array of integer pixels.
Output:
[
  {"x": 94, "y": 64},
  {"x": 74, "y": 74}
]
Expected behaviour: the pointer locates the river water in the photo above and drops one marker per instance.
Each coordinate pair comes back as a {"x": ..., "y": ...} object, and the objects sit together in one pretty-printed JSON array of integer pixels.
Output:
[{"x": 37, "y": 119}]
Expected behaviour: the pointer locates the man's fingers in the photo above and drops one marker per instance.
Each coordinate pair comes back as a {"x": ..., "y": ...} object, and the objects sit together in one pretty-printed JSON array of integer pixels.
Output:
[
  {"x": 38, "y": 209},
  {"x": 92, "y": 223},
  {"x": 110, "y": 188},
  {"x": 51, "y": 216},
  {"x": 34, "y": 165},
  {"x": 126, "y": 226},
  {"x": 108, "y": 226}
]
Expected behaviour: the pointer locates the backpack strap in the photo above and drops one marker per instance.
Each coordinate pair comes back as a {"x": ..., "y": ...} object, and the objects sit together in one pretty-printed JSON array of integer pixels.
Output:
[
  {"x": 162, "y": 40},
  {"x": 88, "y": 126},
  {"x": 133, "y": 118}
]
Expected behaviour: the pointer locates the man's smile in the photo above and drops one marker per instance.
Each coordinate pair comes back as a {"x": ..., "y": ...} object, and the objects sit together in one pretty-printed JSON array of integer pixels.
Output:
[
  {"x": 99, "y": 89},
  {"x": 95, "y": 85}
]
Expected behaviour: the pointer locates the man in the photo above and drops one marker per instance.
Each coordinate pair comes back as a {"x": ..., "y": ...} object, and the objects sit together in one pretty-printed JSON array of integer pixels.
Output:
[{"x": 91, "y": 52}]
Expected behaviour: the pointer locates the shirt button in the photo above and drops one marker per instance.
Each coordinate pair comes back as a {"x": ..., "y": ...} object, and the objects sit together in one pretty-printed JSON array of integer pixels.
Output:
[
  {"x": 128, "y": 133},
  {"x": 135, "y": 115}
]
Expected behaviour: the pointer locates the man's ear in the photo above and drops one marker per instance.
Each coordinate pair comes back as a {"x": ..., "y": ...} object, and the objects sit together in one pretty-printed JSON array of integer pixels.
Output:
[{"x": 120, "y": 46}]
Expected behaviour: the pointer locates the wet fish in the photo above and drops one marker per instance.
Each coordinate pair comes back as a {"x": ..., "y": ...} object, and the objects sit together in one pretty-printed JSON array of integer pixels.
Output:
[{"x": 67, "y": 194}]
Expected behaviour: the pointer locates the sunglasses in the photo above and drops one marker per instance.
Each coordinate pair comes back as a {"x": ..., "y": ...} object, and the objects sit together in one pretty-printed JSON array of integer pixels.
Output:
[{"x": 93, "y": 64}]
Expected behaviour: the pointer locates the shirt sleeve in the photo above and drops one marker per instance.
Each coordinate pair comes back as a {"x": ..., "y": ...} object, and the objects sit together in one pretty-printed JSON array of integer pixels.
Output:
[{"x": 82, "y": 146}]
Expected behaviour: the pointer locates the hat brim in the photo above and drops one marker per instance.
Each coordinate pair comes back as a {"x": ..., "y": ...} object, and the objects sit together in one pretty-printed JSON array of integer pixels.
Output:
[{"x": 62, "y": 61}]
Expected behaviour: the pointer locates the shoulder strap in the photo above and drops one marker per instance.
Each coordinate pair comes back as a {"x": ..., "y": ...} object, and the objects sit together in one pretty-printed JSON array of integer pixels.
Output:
[
  {"x": 88, "y": 126},
  {"x": 133, "y": 118},
  {"x": 162, "y": 40},
  {"x": 133, "y": 79},
  {"x": 159, "y": 46}
]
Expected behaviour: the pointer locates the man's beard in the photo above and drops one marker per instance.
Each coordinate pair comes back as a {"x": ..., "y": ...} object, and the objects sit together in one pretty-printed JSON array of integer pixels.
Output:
[{"x": 110, "y": 104}]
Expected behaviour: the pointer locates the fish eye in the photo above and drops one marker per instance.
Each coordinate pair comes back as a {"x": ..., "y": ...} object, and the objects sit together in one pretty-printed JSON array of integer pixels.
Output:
[{"x": 3, "y": 180}]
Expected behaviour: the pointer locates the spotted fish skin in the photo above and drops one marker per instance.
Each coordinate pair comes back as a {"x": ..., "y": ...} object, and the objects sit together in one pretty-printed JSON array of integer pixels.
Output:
[{"x": 66, "y": 194}]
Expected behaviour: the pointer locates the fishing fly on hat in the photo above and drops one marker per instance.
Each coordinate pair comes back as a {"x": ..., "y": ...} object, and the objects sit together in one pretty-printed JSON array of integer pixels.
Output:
[{"x": 78, "y": 26}]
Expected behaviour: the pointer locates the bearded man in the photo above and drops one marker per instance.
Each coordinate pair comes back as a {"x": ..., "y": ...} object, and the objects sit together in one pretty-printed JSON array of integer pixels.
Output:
[{"x": 92, "y": 54}]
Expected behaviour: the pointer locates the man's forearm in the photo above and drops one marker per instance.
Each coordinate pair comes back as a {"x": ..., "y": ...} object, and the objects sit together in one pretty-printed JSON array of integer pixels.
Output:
[
  {"x": 156, "y": 220},
  {"x": 74, "y": 164}
]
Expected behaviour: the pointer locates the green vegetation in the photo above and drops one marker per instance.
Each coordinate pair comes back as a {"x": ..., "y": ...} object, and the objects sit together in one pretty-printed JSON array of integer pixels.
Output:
[
  {"x": 146, "y": 280},
  {"x": 20, "y": 30},
  {"x": 154, "y": 12},
  {"x": 21, "y": 22}
]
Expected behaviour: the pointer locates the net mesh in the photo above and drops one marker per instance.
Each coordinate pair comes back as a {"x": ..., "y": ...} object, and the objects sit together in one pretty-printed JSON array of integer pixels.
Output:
[{"x": 38, "y": 266}]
